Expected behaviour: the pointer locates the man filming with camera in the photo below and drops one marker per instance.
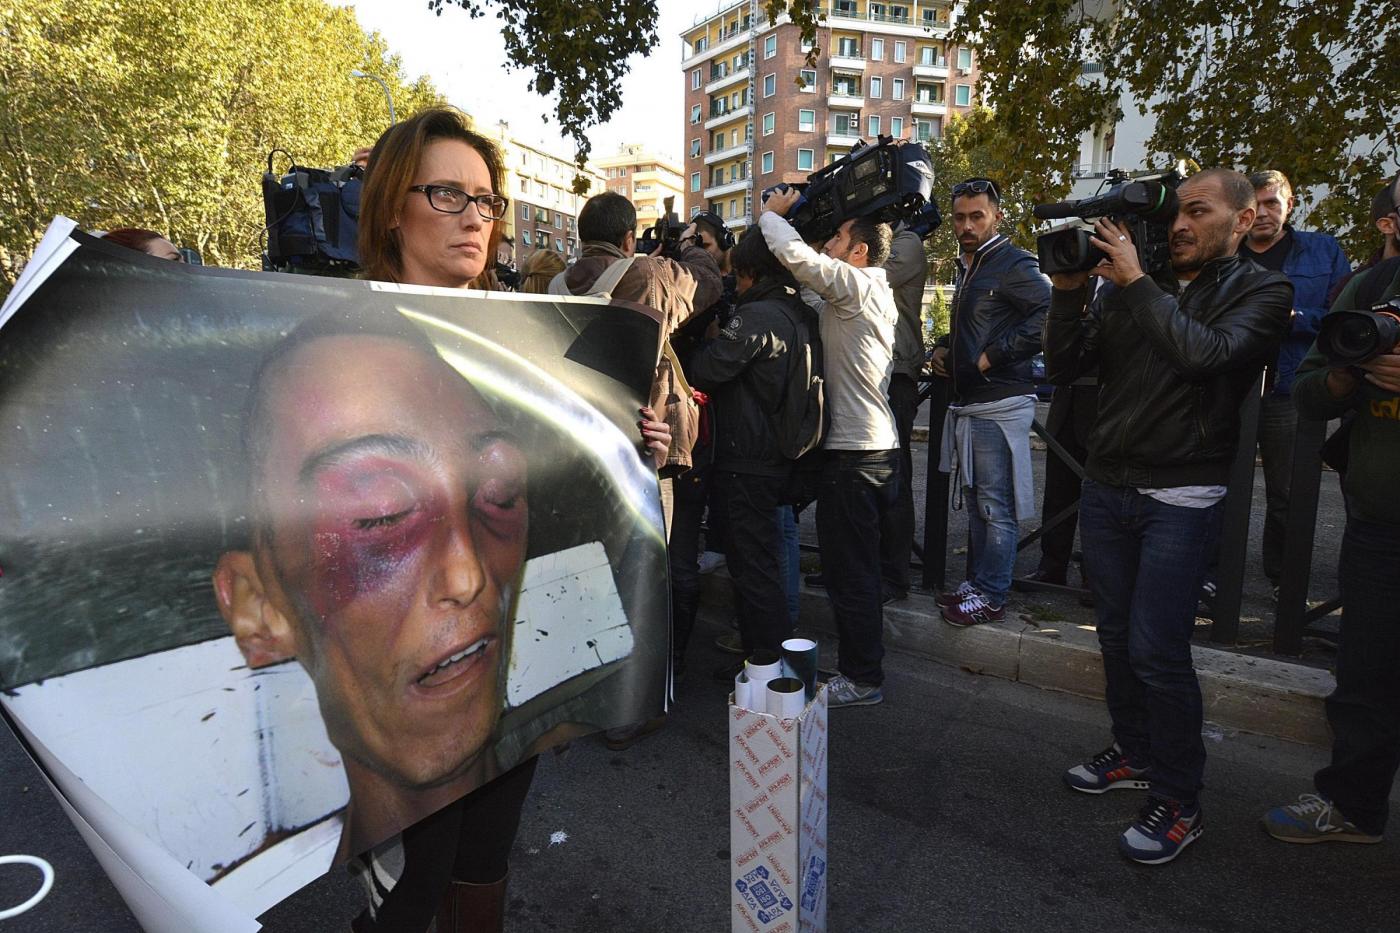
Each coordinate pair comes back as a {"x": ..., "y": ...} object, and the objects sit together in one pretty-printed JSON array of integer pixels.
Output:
[
  {"x": 1353, "y": 792},
  {"x": 1177, "y": 351}
]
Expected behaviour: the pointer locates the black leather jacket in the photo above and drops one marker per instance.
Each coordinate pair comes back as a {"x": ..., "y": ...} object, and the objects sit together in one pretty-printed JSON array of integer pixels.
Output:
[
  {"x": 1173, "y": 368},
  {"x": 999, "y": 309},
  {"x": 745, "y": 370}
]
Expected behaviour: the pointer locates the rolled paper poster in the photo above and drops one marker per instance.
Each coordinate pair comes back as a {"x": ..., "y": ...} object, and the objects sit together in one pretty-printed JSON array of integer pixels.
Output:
[
  {"x": 743, "y": 692},
  {"x": 787, "y": 697},
  {"x": 762, "y": 666},
  {"x": 800, "y": 661}
]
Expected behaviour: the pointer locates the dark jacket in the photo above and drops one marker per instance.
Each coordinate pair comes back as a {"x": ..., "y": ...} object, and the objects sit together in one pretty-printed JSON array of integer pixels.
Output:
[
  {"x": 1173, "y": 368},
  {"x": 906, "y": 269},
  {"x": 1374, "y": 442},
  {"x": 998, "y": 309},
  {"x": 745, "y": 370},
  {"x": 1315, "y": 264}
]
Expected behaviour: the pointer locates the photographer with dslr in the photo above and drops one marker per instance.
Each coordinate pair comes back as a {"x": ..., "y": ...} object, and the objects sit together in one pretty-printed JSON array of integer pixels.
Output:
[
  {"x": 1176, "y": 352},
  {"x": 857, "y": 315},
  {"x": 994, "y": 331},
  {"x": 1351, "y": 803}
]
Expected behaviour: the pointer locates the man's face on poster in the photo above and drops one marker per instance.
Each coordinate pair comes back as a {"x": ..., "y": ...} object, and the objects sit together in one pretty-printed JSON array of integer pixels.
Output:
[{"x": 390, "y": 515}]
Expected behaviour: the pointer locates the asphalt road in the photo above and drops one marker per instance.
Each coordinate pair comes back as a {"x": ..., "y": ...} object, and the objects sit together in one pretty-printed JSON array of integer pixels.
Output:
[{"x": 946, "y": 813}]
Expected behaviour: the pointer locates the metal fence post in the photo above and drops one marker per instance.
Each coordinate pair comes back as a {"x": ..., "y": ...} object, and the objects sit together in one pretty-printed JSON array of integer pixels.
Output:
[
  {"x": 1304, "y": 486},
  {"x": 1234, "y": 535},
  {"x": 935, "y": 549}
]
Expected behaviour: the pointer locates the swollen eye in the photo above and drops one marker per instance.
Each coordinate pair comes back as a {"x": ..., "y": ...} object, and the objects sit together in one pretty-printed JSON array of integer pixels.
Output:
[{"x": 380, "y": 521}]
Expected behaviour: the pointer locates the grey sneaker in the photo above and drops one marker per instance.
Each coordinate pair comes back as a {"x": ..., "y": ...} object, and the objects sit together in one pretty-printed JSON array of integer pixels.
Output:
[
  {"x": 842, "y": 691},
  {"x": 1313, "y": 819}
]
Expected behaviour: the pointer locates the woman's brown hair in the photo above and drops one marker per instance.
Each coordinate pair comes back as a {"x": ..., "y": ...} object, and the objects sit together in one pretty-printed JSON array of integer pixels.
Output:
[
  {"x": 392, "y": 164},
  {"x": 539, "y": 269}
]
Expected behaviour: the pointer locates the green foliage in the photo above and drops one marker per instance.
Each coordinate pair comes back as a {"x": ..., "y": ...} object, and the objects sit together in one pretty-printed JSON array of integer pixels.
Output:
[
  {"x": 1310, "y": 89},
  {"x": 935, "y": 317},
  {"x": 161, "y": 114}
]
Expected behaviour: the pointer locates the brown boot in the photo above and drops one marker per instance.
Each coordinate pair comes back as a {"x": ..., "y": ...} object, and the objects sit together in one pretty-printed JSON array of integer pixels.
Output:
[{"x": 472, "y": 908}]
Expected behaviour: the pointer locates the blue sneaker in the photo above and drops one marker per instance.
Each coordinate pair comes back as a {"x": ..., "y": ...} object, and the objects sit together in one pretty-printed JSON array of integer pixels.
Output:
[
  {"x": 1313, "y": 819},
  {"x": 1110, "y": 769},
  {"x": 1162, "y": 829}
]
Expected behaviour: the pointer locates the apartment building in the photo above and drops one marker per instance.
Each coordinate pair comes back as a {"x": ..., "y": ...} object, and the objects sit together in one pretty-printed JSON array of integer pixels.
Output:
[
  {"x": 644, "y": 178},
  {"x": 757, "y": 114},
  {"x": 543, "y": 208}
]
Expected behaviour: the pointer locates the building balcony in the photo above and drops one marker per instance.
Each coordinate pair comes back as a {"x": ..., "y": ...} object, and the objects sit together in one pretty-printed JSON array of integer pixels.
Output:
[
  {"x": 929, "y": 107},
  {"x": 727, "y": 153},
  {"x": 729, "y": 187},
  {"x": 846, "y": 101},
  {"x": 739, "y": 113},
  {"x": 734, "y": 77},
  {"x": 848, "y": 138},
  {"x": 734, "y": 222},
  {"x": 931, "y": 71},
  {"x": 719, "y": 48},
  {"x": 847, "y": 63}
]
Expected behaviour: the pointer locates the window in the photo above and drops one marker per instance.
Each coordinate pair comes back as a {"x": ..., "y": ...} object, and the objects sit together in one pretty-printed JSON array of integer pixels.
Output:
[
  {"x": 845, "y": 86},
  {"x": 846, "y": 47},
  {"x": 525, "y": 238},
  {"x": 524, "y": 212},
  {"x": 734, "y": 136},
  {"x": 766, "y": 163},
  {"x": 965, "y": 59},
  {"x": 809, "y": 79},
  {"x": 524, "y": 186},
  {"x": 572, "y": 244},
  {"x": 701, "y": 44},
  {"x": 733, "y": 207},
  {"x": 694, "y": 212},
  {"x": 807, "y": 45},
  {"x": 900, "y": 51},
  {"x": 922, "y": 133},
  {"x": 622, "y": 172},
  {"x": 770, "y": 46},
  {"x": 768, "y": 123},
  {"x": 896, "y": 89},
  {"x": 695, "y": 146},
  {"x": 694, "y": 112},
  {"x": 962, "y": 96},
  {"x": 874, "y": 123},
  {"x": 926, "y": 54},
  {"x": 804, "y": 160},
  {"x": 877, "y": 87},
  {"x": 877, "y": 50},
  {"x": 717, "y": 208},
  {"x": 770, "y": 85},
  {"x": 897, "y": 127},
  {"x": 806, "y": 120},
  {"x": 695, "y": 79},
  {"x": 843, "y": 124},
  {"x": 542, "y": 215},
  {"x": 694, "y": 181}
]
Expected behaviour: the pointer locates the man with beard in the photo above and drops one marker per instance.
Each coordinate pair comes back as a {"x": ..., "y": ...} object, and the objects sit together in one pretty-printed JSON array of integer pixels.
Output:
[{"x": 1176, "y": 355}]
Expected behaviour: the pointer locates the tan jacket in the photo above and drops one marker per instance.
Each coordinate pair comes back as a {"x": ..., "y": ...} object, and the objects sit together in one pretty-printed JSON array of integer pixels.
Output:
[{"x": 677, "y": 289}]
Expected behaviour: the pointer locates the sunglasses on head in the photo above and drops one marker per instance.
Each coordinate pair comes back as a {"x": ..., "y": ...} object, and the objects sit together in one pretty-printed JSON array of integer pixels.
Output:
[{"x": 977, "y": 186}]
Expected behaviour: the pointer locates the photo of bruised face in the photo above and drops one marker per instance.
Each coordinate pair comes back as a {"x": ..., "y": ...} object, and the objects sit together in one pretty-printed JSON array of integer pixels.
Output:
[{"x": 390, "y": 528}]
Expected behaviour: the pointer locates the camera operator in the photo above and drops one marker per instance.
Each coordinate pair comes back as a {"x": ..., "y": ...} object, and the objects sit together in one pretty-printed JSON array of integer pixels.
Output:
[
  {"x": 995, "y": 326},
  {"x": 907, "y": 271},
  {"x": 857, "y": 316},
  {"x": 1175, "y": 358},
  {"x": 746, "y": 369},
  {"x": 1351, "y": 803}
]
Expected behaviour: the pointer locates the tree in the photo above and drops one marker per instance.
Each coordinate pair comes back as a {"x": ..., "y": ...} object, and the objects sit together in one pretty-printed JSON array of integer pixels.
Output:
[
  {"x": 1309, "y": 89},
  {"x": 124, "y": 113}
]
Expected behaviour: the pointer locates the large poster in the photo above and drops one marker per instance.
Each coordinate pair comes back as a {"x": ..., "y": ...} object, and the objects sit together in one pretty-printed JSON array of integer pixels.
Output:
[{"x": 289, "y": 563}]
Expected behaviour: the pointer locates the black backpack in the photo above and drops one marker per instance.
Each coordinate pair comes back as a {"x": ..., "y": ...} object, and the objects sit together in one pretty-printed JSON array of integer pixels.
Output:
[{"x": 800, "y": 423}]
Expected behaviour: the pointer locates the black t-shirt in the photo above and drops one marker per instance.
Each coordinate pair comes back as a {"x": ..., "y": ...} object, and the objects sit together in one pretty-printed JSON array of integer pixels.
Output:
[{"x": 1273, "y": 257}]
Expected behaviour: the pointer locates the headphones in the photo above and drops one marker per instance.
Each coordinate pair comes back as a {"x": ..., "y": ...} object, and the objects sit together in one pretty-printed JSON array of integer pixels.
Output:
[{"x": 726, "y": 237}]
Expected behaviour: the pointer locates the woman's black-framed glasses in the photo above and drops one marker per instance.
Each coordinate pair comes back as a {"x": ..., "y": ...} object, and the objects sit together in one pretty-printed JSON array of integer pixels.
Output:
[{"x": 452, "y": 200}]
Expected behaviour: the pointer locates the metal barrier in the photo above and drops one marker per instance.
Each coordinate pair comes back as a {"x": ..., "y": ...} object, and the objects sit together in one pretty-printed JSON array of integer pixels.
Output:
[{"x": 1293, "y": 618}]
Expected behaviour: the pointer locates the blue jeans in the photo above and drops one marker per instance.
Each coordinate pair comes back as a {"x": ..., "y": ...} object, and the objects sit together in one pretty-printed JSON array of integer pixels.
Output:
[
  {"x": 991, "y": 512},
  {"x": 1364, "y": 710},
  {"x": 858, "y": 489},
  {"x": 1146, "y": 561},
  {"x": 789, "y": 559}
]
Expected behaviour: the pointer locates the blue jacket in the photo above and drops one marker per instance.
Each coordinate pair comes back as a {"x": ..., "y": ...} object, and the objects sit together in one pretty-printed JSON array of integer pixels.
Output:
[{"x": 1315, "y": 264}]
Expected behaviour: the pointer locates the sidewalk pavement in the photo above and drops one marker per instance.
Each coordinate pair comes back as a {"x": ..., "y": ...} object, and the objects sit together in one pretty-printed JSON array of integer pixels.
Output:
[{"x": 1041, "y": 647}]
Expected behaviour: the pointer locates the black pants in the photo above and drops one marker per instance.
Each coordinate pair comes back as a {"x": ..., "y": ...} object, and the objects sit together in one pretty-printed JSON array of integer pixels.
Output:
[
  {"x": 467, "y": 840},
  {"x": 897, "y": 527},
  {"x": 857, "y": 491},
  {"x": 1364, "y": 710},
  {"x": 753, "y": 539},
  {"x": 1071, "y": 418},
  {"x": 692, "y": 490}
]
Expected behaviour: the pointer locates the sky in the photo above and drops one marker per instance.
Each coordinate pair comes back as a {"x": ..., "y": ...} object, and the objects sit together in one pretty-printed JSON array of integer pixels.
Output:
[{"x": 465, "y": 56}]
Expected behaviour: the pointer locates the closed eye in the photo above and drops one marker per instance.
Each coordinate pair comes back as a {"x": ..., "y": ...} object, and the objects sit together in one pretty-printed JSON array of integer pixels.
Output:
[{"x": 380, "y": 521}]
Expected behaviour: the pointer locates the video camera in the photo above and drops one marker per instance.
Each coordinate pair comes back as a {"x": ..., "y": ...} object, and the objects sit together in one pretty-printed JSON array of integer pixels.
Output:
[
  {"x": 887, "y": 182},
  {"x": 313, "y": 219},
  {"x": 1350, "y": 338},
  {"x": 1146, "y": 204},
  {"x": 661, "y": 237}
]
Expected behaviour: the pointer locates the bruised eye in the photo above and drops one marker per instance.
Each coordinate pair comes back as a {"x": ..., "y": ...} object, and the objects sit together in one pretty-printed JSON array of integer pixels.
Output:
[
  {"x": 500, "y": 496},
  {"x": 381, "y": 521}
]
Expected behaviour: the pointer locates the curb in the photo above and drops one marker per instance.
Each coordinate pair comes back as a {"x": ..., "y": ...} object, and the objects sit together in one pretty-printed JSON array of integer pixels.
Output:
[{"x": 1263, "y": 696}]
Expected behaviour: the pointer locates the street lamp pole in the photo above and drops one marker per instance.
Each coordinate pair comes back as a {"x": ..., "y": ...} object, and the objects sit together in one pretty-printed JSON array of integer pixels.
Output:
[{"x": 388, "y": 97}]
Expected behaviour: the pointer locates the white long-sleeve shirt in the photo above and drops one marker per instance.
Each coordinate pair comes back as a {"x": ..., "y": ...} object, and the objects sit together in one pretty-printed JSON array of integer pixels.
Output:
[{"x": 858, "y": 316}]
